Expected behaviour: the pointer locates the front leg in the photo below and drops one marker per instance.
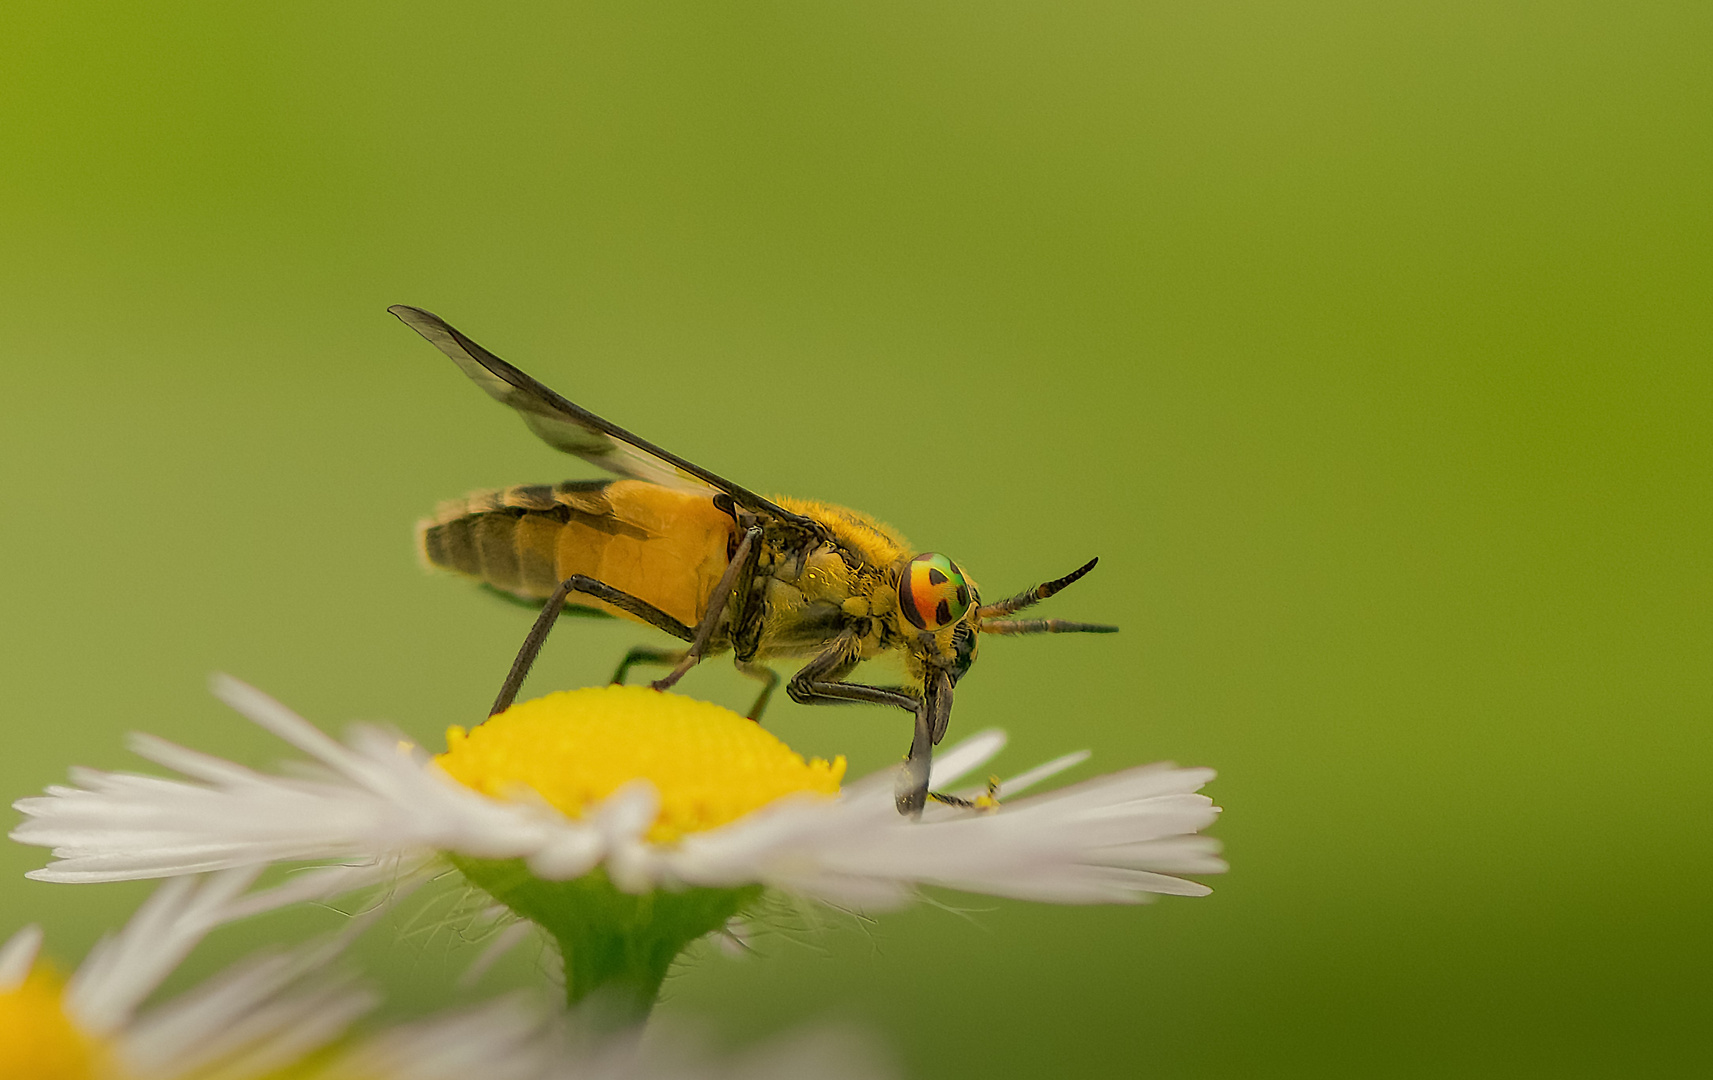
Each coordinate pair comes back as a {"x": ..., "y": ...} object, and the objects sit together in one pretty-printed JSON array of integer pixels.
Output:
[
  {"x": 932, "y": 717},
  {"x": 821, "y": 682}
]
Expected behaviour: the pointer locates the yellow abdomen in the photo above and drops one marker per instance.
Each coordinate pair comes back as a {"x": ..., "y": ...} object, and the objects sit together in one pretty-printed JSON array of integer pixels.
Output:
[{"x": 663, "y": 546}]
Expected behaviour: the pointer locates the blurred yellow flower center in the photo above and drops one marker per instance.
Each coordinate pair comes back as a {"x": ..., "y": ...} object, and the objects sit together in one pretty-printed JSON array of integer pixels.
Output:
[
  {"x": 38, "y": 1041},
  {"x": 575, "y": 748}
]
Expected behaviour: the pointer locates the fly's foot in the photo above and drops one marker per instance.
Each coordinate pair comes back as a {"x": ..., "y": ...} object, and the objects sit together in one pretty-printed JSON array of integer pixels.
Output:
[{"x": 987, "y": 802}]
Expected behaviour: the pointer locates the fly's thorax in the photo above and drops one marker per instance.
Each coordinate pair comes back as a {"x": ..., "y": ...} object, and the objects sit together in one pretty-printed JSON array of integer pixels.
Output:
[
  {"x": 864, "y": 540},
  {"x": 811, "y": 598},
  {"x": 855, "y": 567},
  {"x": 829, "y": 574}
]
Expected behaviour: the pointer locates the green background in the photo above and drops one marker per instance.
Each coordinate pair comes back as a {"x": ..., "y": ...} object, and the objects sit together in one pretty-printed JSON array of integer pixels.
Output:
[{"x": 1366, "y": 344}]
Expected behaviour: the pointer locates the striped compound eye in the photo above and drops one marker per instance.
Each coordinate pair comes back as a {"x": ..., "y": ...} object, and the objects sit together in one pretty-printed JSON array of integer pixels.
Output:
[{"x": 932, "y": 592}]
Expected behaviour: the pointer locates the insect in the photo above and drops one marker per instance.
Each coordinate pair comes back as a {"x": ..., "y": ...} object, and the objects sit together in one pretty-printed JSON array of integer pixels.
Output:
[{"x": 719, "y": 568}]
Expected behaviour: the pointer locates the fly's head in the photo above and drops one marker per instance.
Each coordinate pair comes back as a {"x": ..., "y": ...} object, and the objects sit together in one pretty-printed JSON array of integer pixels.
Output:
[{"x": 937, "y": 614}]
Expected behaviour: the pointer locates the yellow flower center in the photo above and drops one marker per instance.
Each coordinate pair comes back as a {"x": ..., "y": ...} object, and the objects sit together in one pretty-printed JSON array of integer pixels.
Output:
[
  {"x": 575, "y": 748},
  {"x": 38, "y": 1041}
]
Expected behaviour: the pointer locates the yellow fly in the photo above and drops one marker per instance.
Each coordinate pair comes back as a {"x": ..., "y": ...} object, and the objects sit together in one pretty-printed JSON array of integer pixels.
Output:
[{"x": 718, "y": 567}]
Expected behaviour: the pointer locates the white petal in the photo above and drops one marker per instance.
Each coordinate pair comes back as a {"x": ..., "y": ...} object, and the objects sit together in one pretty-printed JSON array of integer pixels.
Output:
[
  {"x": 18, "y": 955},
  {"x": 1022, "y": 782},
  {"x": 622, "y": 820},
  {"x": 247, "y": 1012},
  {"x": 568, "y": 854},
  {"x": 121, "y": 826},
  {"x": 267, "y": 713},
  {"x": 629, "y": 811},
  {"x": 124, "y": 969},
  {"x": 509, "y": 1039},
  {"x": 972, "y": 753},
  {"x": 281, "y": 1033}
]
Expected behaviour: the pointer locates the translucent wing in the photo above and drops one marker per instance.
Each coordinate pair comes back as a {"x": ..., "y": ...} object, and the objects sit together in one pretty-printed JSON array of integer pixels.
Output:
[{"x": 571, "y": 428}]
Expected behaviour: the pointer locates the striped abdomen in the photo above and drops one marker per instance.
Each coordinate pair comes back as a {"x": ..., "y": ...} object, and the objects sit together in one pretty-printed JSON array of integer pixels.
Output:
[{"x": 667, "y": 547}]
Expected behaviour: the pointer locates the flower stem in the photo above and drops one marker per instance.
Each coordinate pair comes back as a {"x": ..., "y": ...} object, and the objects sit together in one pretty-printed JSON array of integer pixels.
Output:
[{"x": 617, "y": 946}]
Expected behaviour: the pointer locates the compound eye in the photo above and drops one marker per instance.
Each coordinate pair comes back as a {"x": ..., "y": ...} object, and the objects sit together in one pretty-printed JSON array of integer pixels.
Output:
[{"x": 932, "y": 592}]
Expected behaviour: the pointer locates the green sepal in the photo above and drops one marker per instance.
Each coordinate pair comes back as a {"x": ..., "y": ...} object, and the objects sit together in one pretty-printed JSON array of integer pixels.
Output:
[{"x": 616, "y": 945}]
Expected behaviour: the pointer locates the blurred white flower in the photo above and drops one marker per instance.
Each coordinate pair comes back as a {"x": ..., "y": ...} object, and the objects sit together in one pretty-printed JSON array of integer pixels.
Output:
[
  {"x": 379, "y": 807},
  {"x": 287, "y": 1015},
  {"x": 252, "y": 1019}
]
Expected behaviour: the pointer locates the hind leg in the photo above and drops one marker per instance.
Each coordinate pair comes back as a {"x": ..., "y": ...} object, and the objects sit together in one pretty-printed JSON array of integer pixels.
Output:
[{"x": 588, "y": 586}]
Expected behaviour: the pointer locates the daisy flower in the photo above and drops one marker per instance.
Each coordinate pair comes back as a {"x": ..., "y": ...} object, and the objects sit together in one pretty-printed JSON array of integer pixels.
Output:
[
  {"x": 624, "y": 821},
  {"x": 252, "y": 1019}
]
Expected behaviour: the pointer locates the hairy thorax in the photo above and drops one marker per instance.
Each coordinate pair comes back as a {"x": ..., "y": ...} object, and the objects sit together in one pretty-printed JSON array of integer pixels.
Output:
[{"x": 846, "y": 584}]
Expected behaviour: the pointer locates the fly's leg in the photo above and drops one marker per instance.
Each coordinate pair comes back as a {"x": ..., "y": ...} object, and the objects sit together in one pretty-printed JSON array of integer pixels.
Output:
[
  {"x": 747, "y": 554},
  {"x": 588, "y": 586},
  {"x": 770, "y": 681},
  {"x": 820, "y": 682},
  {"x": 836, "y": 692},
  {"x": 643, "y": 654},
  {"x": 989, "y": 801}
]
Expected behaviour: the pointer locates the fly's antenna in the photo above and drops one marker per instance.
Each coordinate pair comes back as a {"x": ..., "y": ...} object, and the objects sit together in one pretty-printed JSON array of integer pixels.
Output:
[
  {"x": 1031, "y": 597},
  {"x": 991, "y": 622},
  {"x": 1044, "y": 626}
]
